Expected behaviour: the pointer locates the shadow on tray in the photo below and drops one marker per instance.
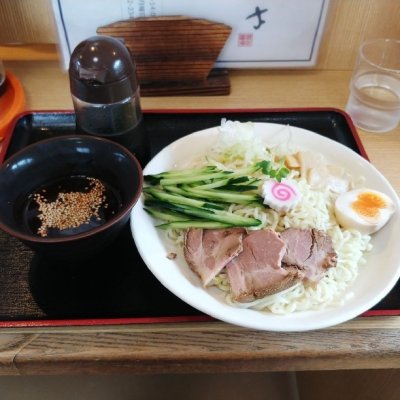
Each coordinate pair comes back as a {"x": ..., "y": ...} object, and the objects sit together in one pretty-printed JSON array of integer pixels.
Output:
[{"x": 113, "y": 284}]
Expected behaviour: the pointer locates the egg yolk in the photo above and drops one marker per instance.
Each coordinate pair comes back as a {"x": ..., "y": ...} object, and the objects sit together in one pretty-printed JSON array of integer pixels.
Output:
[{"x": 368, "y": 204}]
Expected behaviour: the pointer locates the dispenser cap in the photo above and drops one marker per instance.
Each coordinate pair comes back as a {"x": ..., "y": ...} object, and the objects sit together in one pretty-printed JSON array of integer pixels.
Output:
[{"x": 101, "y": 70}]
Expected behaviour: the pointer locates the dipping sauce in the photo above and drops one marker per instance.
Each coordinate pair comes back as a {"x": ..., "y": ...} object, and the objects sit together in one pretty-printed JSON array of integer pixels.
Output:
[{"x": 71, "y": 205}]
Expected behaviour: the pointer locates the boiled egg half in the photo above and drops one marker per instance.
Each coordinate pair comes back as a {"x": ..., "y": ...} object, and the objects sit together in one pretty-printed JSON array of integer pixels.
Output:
[{"x": 365, "y": 210}]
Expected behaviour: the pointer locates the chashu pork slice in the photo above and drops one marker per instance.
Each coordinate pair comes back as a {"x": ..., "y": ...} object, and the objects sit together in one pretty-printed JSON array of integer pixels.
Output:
[
  {"x": 310, "y": 250},
  {"x": 257, "y": 272},
  {"x": 207, "y": 251}
]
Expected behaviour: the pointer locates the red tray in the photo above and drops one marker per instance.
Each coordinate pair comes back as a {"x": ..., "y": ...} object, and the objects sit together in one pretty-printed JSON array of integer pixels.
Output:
[{"x": 115, "y": 287}]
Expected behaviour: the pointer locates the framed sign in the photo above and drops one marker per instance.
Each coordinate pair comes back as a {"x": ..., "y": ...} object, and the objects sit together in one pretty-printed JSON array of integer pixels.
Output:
[{"x": 265, "y": 33}]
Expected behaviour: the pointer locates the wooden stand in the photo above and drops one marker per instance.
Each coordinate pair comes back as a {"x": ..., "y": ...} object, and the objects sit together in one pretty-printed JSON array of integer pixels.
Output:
[{"x": 175, "y": 55}]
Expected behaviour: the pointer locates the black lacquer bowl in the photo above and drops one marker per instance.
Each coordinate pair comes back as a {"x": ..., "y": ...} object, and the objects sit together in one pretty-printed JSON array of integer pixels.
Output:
[{"x": 65, "y": 162}]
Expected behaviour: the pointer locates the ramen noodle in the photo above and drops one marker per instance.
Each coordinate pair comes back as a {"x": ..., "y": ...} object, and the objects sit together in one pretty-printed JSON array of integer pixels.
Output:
[{"x": 315, "y": 210}]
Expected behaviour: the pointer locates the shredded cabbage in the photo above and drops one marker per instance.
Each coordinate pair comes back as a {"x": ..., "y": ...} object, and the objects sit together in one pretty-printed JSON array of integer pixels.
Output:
[{"x": 238, "y": 145}]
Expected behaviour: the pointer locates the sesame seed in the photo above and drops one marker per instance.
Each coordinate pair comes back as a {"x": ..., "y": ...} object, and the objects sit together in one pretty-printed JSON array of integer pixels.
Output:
[{"x": 70, "y": 209}]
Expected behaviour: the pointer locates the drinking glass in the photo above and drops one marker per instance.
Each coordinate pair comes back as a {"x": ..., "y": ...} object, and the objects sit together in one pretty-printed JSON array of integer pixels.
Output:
[{"x": 374, "y": 101}]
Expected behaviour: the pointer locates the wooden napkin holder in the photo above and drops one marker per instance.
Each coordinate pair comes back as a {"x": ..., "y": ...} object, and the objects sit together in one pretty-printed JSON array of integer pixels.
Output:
[{"x": 175, "y": 55}]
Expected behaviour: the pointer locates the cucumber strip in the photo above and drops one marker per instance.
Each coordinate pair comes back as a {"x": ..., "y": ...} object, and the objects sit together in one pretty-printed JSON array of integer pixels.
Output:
[
  {"x": 175, "y": 190},
  {"x": 216, "y": 174},
  {"x": 220, "y": 216},
  {"x": 219, "y": 195},
  {"x": 179, "y": 191},
  {"x": 239, "y": 188},
  {"x": 164, "y": 205},
  {"x": 215, "y": 184},
  {"x": 221, "y": 182},
  {"x": 166, "y": 215},
  {"x": 206, "y": 214},
  {"x": 240, "y": 179},
  {"x": 198, "y": 197},
  {"x": 209, "y": 172},
  {"x": 177, "y": 199},
  {"x": 178, "y": 173},
  {"x": 194, "y": 224},
  {"x": 194, "y": 178},
  {"x": 240, "y": 184}
]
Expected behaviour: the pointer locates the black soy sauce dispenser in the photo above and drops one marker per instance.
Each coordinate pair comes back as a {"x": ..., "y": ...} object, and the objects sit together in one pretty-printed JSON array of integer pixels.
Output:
[{"x": 106, "y": 94}]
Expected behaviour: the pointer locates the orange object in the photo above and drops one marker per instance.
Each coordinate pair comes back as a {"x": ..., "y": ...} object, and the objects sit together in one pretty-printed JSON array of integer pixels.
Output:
[
  {"x": 368, "y": 204},
  {"x": 12, "y": 103}
]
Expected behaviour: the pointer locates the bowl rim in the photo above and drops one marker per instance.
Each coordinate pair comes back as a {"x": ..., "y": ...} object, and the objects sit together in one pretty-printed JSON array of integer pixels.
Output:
[{"x": 115, "y": 219}]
